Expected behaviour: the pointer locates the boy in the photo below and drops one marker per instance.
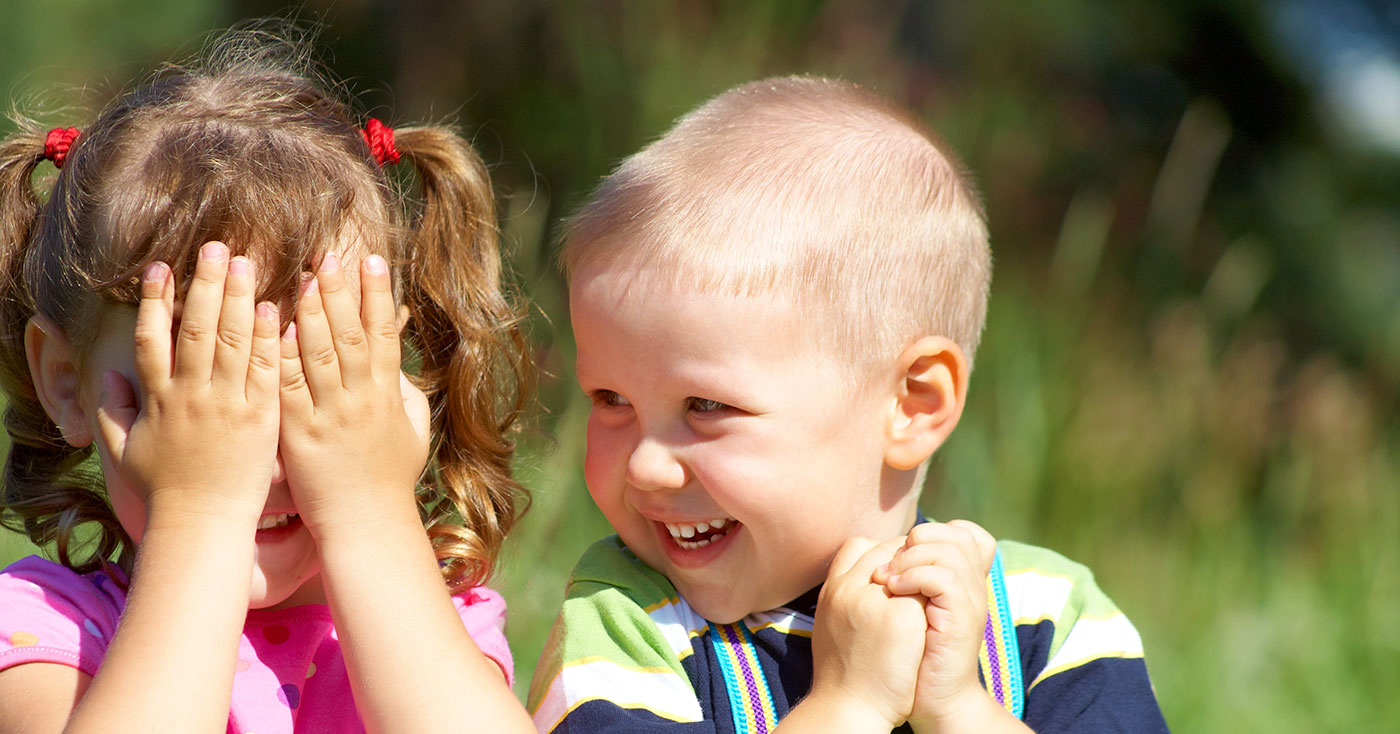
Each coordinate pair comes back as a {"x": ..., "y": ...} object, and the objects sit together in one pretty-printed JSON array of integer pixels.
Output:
[{"x": 775, "y": 306}]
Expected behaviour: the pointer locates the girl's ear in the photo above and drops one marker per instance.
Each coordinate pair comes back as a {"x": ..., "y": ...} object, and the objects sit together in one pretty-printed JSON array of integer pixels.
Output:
[
  {"x": 929, "y": 399},
  {"x": 56, "y": 379}
]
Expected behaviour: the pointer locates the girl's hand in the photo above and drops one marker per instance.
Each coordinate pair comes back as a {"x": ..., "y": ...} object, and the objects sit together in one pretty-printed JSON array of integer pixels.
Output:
[
  {"x": 947, "y": 565},
  {"x": 865, "y": 666},
  {"x": 354, "y": 431},
  {"x": 203, "y": 436}
]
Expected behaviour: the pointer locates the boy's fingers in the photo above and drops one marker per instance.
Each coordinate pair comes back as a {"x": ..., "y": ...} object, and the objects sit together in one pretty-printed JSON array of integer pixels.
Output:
[
  {"x": 343, "y": 320},
  {"x": 847, "y": 555},
  {"x": 116, "y": 413},
  {"x": 986, "y": 544},
  {"x": 235, "y": 328},
  {"x": 380, "y": 316},
  {"x": 320, "y": 367},
  {"x": 875, "y": 557},
  {"x": 859, "y": 557},
  {"x": 942, "y": 585},
  {"x": 941, "y": 553},
  {"x": 264, "y": 360},
  {"x": 945, "y": 556},
  {"x": 194, "y": 347},
  {"x": 975, "y": 544},
  {"x": 154, "y": 317}
]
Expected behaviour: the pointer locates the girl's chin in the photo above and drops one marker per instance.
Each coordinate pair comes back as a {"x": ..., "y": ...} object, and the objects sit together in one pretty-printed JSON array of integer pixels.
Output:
[
  {"x": 286, "y": 568},
  {"x": 265, "y": 595}
]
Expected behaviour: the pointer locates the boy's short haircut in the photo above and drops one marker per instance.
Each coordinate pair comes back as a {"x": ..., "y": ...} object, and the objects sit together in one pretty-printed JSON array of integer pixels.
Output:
[{"x": 808, "y": 188}]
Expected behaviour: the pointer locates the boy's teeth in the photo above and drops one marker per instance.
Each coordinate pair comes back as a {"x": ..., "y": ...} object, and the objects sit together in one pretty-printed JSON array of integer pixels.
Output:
[{"x": 683, "y": 532}]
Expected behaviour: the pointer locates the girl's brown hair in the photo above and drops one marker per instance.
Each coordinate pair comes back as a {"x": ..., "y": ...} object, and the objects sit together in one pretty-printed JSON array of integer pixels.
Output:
[{"x": 249, "y": 149}]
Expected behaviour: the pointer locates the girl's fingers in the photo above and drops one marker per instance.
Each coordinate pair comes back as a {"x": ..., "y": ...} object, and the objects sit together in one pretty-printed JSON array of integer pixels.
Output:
[
  {"x": 264, "y": 360},
  {"x": 320, "y": 366},
  {"x": 154, "y": 318},
  {"x": 194, "y": 347},
  {"x": 380, "y": 316},
  {"x": 235, "y": 329},
  {"x": 343, "y": 317},
  {"x": 116, "y": 413},
  {"x": 293, "y": 393},
  {"x": 415, "y": 405}
]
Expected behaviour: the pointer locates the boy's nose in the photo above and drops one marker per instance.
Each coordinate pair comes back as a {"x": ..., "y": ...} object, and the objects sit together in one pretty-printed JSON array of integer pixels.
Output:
[{"x": 654, "y": 465}]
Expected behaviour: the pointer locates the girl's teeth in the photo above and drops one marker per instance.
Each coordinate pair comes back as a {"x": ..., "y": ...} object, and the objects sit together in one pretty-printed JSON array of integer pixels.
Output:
[{"x": 268, "y": 522}]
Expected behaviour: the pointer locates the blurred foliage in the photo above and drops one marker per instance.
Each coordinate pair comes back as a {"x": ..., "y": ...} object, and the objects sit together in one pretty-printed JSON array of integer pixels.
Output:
[{"x": 1190, "y": 373}]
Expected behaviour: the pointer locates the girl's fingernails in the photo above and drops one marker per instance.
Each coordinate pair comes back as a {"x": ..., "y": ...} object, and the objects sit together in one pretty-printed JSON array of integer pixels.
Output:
[
  {"x": 267, "y": 310},
  {"x": 213, "y": 251},
  {"x": 291, "y": 333},
  {"x": 330, "y": 262},
  {"x": 239, "y": 266},
  {"x": 376, "y": 265},
  {"x": 156, "y": 272},
  {"x": 308, "y": 283}
]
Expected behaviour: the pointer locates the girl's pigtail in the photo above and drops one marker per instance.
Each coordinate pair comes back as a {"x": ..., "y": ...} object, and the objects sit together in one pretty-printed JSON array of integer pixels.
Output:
[
  {"x": 474, "y": 362},
  {"x": 47, "y": 495}
]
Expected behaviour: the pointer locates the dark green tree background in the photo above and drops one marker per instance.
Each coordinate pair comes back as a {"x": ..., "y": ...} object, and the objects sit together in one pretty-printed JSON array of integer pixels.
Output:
[{"x": 1189, "y": 379}]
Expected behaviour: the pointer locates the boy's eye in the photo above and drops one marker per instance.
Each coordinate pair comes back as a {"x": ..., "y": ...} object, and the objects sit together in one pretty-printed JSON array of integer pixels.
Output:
[
  {"x": 704, "y": 405},
  {"x": 608, "y": 398}
]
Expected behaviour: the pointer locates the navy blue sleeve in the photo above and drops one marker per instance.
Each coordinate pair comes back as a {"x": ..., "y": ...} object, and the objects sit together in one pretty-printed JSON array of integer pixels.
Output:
[
  {"x": 1103, "y": 696},
  {"x": 607, "y": 717}
]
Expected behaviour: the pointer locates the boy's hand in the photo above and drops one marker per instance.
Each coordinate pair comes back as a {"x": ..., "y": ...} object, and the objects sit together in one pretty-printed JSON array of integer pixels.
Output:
[
  {"x": 203, "y": 436},
  {"x": 861, "y": 643},
  {"x": 947, "y": 564},
  {"x": 354, "y": 430}
]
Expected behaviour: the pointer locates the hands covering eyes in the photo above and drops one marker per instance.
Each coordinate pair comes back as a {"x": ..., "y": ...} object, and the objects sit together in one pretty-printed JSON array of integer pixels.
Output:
[{"x": 222, "y": 394}]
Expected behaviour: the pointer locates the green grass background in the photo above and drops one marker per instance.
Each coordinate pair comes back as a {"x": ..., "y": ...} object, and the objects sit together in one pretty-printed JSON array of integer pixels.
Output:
[{"x": 1190, "y": 372}]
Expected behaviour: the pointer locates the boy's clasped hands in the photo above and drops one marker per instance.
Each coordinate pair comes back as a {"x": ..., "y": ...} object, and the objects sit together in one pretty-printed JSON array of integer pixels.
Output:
[
  {"x": 929, "y": 585},
  {"x": 228, "y": 409}
]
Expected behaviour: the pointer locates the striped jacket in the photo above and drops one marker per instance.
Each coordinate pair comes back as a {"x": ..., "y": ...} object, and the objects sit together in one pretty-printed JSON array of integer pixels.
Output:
[{"x": 628, "y": 654}]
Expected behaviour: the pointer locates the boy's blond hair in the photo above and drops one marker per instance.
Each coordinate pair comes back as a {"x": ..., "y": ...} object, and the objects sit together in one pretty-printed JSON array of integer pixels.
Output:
[{"x": 811, "y": 189}]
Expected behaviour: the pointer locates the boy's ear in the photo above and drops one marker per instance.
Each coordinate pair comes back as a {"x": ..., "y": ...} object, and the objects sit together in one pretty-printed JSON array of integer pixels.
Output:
[
  {"x": 929, "y": 399},
  {"x": 56, "y": 379}
]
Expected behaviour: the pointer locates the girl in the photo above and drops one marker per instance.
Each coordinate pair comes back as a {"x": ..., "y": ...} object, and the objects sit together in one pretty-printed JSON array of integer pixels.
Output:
[{"x": 254, "y": 556}]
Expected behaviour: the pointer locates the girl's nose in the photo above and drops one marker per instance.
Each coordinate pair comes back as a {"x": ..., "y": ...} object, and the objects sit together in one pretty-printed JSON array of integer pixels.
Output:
[
  {"x": 654, "y": 465},
  {"x": 279, "y": 472}
]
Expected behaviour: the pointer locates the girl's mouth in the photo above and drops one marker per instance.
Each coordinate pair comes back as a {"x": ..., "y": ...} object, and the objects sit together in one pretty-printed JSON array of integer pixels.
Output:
[
  {"x": 280, "y": 520},
  {"x": 693, "y": 536}
]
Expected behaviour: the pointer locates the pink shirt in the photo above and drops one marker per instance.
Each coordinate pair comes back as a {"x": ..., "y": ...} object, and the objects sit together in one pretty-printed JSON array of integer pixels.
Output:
[{"x": 290, "y": 673}]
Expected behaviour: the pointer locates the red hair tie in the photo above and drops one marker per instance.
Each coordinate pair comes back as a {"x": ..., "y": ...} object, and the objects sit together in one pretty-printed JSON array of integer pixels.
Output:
[
  {"x": 58, "y": 143},
  {"x": 380, "y": 138}
]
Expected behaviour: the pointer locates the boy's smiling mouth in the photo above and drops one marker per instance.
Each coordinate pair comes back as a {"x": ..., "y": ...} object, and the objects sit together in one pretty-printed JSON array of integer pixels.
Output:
[{"x": 693, "y": 536}]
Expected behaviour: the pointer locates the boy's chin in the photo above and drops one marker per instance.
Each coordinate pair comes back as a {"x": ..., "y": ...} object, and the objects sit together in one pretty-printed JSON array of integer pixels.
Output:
[{"x": 725, "y": 606}]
